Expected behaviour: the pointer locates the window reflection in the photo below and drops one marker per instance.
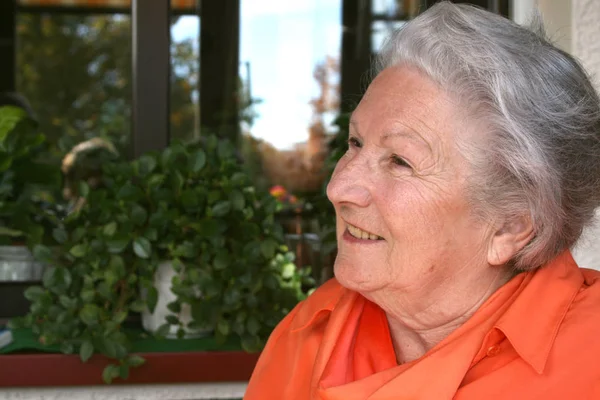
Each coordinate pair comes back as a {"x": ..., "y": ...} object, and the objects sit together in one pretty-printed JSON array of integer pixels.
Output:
[
  {"x": 185, "y": 63},
  {"x": 290, "y": 53},
  {"x": 75, "y": 70}
]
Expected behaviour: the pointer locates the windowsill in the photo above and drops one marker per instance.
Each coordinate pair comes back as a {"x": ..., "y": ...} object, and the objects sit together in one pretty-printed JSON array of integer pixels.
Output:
[{"x": 182, "y": 367}]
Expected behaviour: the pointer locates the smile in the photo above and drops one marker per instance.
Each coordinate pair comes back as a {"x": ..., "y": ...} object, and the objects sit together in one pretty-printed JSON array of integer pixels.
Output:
[{"x": 360, "y": 234}]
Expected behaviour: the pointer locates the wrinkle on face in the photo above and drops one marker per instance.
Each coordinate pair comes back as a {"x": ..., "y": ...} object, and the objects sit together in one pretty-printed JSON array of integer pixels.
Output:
[{"x": 422, "y": 212}]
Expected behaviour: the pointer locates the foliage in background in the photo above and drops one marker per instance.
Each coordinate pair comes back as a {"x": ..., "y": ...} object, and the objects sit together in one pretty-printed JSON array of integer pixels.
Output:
[
  {"x": 192, "y": 205},
  {"x": 27, "y": 185},
  {"x": 323, "y": 209},
  {"x": 75, "y": 70}
]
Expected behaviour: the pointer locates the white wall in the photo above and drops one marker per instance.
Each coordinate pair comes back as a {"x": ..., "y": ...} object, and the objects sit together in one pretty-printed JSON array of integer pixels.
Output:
[
  {"x": 585, "y": 19},
  {"x": 574, "y": 25},
  {"x": 555, "y": 13}
]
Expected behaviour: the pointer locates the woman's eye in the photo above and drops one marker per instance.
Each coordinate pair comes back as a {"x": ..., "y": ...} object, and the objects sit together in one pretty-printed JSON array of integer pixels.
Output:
[
  {"x": 399, "y": 161},
  {"x": 354, "y": 142}
]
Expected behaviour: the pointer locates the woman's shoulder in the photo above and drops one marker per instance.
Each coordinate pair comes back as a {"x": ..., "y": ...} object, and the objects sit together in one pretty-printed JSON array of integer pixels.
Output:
[
  {"x": 588, "y": 297},
  {"x": 327, "y": 292},
  {"x": 581, "y": 324},
  {"x": 323, "y": 299}
]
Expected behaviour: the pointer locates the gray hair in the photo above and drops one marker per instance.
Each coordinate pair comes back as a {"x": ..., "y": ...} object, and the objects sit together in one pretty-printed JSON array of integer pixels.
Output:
[{"x": 540, "y": 113}]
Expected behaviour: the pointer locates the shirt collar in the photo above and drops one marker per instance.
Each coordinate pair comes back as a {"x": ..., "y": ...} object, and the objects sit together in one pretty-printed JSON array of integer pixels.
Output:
[
  {"x": 321, "y": 302},
  {"x": 531, "y": 323}
]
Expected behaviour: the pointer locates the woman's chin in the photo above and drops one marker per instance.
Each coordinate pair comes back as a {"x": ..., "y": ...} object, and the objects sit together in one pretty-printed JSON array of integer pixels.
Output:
[{"x": 355, "y": 277}]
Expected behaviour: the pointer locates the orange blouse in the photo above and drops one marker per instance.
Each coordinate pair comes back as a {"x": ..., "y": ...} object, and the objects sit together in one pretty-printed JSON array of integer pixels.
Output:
[{"x": 537, "y": 337}]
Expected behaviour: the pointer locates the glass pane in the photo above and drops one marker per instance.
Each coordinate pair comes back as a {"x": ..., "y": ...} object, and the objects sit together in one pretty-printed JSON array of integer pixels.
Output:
[
  {"x": 290, "y": 69},
  {"x": 178, "y": 5},
  {"x": 384, "y": 8},
  {"x": 396, "y": 9},
  {"x": 75, "y": 70},
  {"x": 185, "y": 62},
  {"x": 381, "y": 30}
]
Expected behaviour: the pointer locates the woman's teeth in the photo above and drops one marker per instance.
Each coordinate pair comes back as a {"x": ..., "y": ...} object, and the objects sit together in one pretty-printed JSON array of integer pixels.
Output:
[{"x": 360, "y": 234}]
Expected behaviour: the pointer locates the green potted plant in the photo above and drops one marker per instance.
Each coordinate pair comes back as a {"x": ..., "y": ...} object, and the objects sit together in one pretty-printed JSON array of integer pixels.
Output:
[
  {"x": 27, "y": 190},
  {"x": 190, "y": 209}
]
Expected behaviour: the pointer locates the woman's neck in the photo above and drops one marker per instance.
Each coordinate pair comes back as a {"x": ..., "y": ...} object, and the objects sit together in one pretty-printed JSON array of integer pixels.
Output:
[{"x": 418, "y": 323}]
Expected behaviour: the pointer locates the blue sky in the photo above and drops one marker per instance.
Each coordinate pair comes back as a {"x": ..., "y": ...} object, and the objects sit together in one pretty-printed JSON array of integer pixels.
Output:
[{"x": 283, "y": 41}]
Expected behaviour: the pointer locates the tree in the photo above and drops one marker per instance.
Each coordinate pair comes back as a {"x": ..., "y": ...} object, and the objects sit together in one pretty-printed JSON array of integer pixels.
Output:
[{"x": 76, "y": 72}]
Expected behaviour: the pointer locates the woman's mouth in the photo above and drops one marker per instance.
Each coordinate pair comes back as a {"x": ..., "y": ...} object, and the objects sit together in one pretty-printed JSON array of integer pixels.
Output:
[{"x": 361, "y": 234}]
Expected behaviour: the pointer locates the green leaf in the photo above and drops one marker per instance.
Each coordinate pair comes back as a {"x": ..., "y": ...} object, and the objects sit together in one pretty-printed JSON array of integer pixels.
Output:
[
  {"x": 253, "y": 325},
  {"x": 138, "y": 305},
  {"x": 67, "y": 302},
  {"x": 238, "y": 179},
  {"x": 186, "y": 250},
  {"x": 10, "y": 232},
  {"x": 288, "y": 271},
  {"x": 151, "y": 298},
  {"x": 221, "y": 209},
  {"x": 177, "y": 265},
  {"x": 180, "y": 333},
  {"x": 110, "y": 229},
  {"x": 124, "y": 371},
  {"x": 67, "y": 348},
  {"x": 110, "y": 347},
  {"x": 221, "y": 261},
  {"x": 147, "y": 164},
  {"x": 120, "y": 317},
  {"x": 138, "y": 215},
  {"x": 177, "y": 181},
  {"x": 237, "y": 200},
  {"x": 197, "y": 161},
  {"x": 142, "y": 247},
  {"x": 223, "y": 327},
  {"x": 42, "y": 253},
  {"x": 251, "y": 344},
  {"x": 120, "y": 350},
  {"x": 60, "y": 235},
  {"x": 78, "y": 234},
  {"x": 224, "y": 150},
  {"x": 172, "y": 319},
  {"x": 268, "y": 248},
  {"x": 162, "y": 331},
  {"x": 117, "y": 246},
  {"x": 88, "y": 295},
  {"x": 174, "y": 307},
  {"x": 214, "y": 196},
  {"x": 117, "y": 265},
  {"x": 208, "y": 228},
  {"x": 57, "y": 279},
  {"x": 33, "y": 293},
  {"x": 89, "y": 314},
  {"x": 129, "y": 193},
  {"x": 86, "y": 350},
  {"x": 78, "y": 250},
  {"x": 84, "y": 189},
  {"x": 110, "y": 372},
  {"x": 189, "y": 199},
  {"x": 11, "y": 116},
  {"x": 135, "y": 360}
]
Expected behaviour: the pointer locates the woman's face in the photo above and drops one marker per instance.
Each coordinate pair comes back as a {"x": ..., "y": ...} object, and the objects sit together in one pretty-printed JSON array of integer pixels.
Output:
[{"x": 403, "y": 219}]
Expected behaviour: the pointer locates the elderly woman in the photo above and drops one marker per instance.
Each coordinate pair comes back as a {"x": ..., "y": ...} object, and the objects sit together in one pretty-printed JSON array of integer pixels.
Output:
[{"x": 473, "y": 165}]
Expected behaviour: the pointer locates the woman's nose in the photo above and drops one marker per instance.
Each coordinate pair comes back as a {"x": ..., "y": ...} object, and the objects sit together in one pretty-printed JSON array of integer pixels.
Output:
[{"x": 349, "y": 183}]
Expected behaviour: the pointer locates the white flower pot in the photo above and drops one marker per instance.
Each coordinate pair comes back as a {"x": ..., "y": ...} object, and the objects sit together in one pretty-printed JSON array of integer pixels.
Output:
[
  {"x": 152, "y": 321},
  {"x": 17, "y": 264}
]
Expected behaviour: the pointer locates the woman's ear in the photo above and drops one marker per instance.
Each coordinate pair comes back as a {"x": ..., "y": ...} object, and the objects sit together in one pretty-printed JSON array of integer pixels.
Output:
[{"x": 511, "y": 237}]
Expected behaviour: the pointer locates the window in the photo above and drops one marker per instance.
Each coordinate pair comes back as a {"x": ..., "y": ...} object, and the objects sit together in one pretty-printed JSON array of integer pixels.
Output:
[
  {"x": 185, "y": 62},
  {"x": 75, "y": 70},
  {"x": 289, "y": 54}
]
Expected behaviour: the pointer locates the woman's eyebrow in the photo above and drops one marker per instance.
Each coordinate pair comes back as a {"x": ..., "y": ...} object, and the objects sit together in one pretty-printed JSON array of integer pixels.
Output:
[{"x": 412, "y": 136}]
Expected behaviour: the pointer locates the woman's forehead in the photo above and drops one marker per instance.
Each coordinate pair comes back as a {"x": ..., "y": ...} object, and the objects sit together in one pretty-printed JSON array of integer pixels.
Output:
[{"x": 403, "y": 99}]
